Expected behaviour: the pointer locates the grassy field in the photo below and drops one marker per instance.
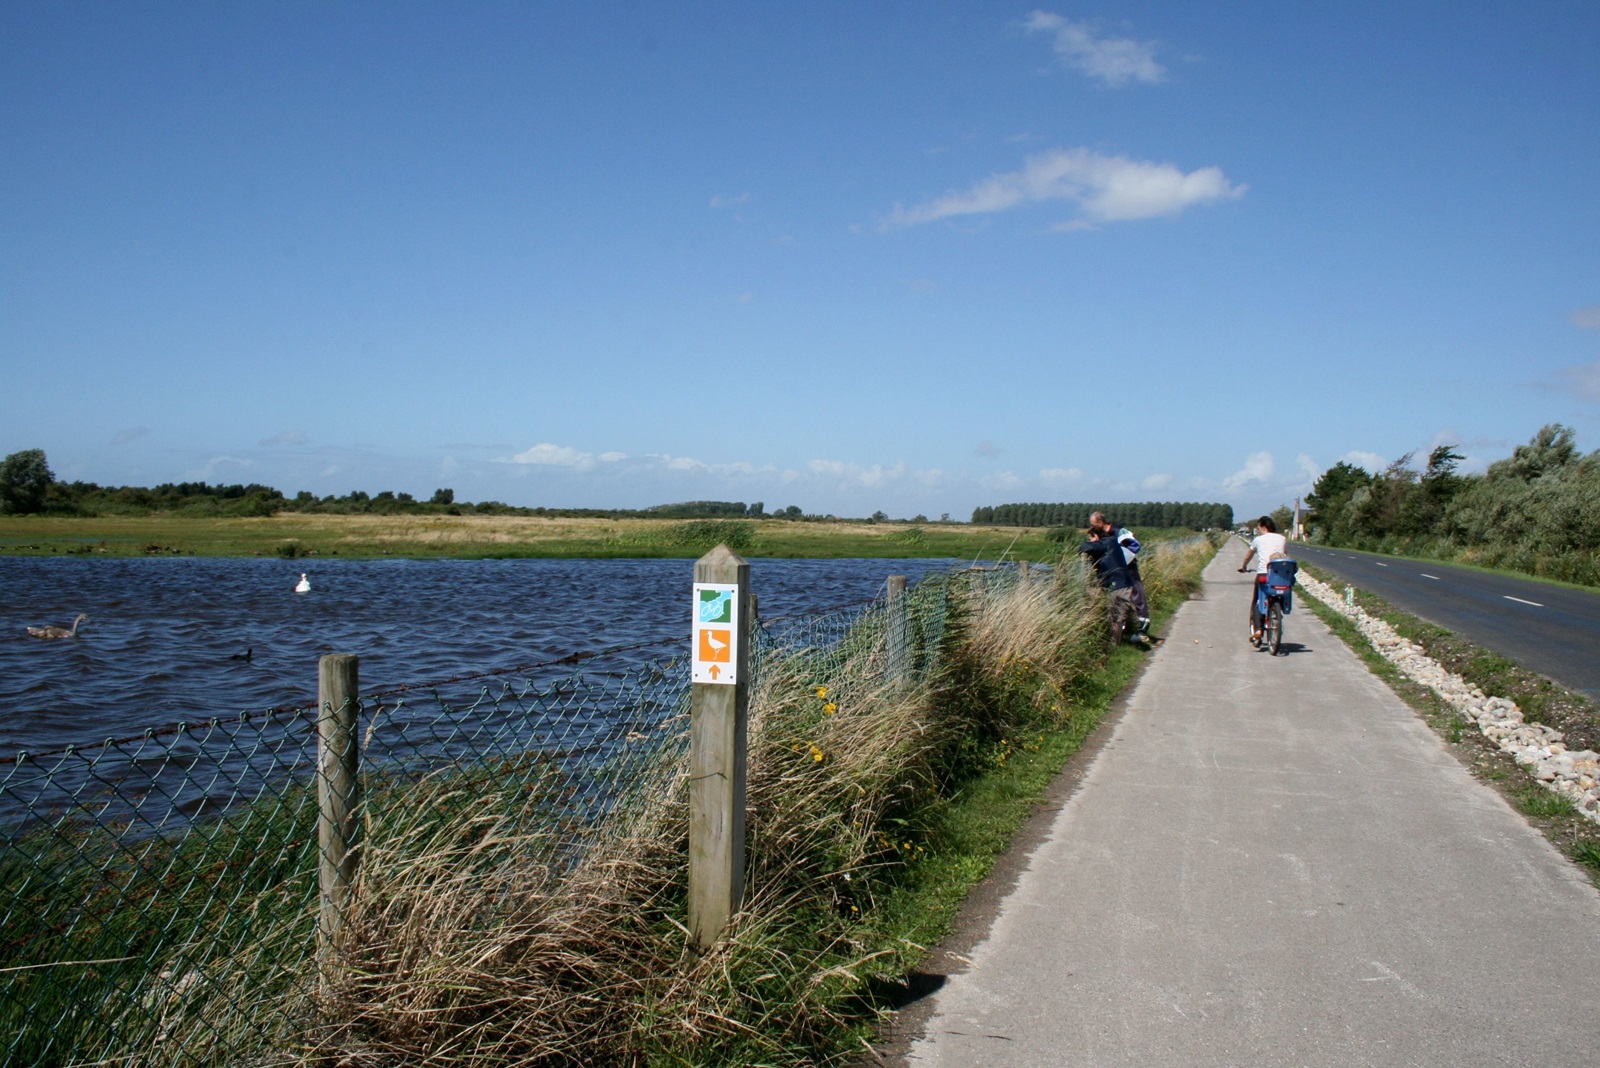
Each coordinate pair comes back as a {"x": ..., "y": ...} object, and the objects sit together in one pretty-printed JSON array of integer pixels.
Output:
[{"x": 367, "y": 536}]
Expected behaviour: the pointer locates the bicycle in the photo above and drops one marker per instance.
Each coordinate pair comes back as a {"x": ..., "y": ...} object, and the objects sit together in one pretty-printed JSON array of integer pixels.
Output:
[{"x": 1274, "y": 600}]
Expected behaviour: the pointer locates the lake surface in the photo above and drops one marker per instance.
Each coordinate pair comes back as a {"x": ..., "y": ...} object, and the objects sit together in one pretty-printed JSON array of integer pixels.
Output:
[{"x": 166, "y": 637}]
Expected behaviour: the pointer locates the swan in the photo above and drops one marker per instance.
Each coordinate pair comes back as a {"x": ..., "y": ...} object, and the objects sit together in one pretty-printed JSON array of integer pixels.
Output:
[
  {"x": 304, "y": 585},
  {"x": 59, "y": 632}
]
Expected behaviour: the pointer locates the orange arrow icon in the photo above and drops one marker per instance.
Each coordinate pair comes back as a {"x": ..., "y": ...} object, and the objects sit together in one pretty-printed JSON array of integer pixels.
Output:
[{"x": 715, "y": 671}]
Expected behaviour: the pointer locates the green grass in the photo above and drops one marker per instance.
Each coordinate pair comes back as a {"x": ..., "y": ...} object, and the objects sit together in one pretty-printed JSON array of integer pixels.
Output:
[{"x": 1540, "y": 803}]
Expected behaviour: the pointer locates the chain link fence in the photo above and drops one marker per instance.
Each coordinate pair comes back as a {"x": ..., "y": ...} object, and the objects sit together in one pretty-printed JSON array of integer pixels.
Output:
[{"x": 159, "y": 895}]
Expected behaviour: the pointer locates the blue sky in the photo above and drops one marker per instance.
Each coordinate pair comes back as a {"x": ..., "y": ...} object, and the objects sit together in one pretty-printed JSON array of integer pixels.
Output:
[{"x": 915, "y": 257}]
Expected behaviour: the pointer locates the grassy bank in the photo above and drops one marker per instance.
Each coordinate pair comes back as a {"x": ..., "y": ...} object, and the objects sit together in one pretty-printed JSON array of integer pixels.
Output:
[{"x": 367, "y": 536}]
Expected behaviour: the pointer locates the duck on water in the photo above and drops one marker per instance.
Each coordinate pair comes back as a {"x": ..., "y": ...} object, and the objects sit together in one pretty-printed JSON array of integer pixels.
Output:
[{"x": 59, "y": 632}]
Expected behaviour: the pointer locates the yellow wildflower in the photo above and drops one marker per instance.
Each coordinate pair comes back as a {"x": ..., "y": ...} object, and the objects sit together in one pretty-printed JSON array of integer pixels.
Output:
[
  {"x": 822, "y": 691},
  {"x": 830, "y": 708}
]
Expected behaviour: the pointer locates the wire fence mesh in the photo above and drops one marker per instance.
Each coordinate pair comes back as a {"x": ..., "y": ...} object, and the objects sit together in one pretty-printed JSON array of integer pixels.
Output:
[{"x": 159, "y": 898}]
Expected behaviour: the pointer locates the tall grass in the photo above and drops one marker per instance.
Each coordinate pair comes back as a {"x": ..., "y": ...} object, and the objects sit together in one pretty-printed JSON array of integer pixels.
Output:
[{"x": 467, "y": 946}]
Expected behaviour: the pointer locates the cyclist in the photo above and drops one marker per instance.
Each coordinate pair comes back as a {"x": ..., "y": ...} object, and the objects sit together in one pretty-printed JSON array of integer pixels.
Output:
[{"x": 1268, "y": 545}]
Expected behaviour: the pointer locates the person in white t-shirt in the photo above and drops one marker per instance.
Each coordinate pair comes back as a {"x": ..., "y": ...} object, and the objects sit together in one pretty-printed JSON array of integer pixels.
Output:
[{"x": 1268, "y": 545}]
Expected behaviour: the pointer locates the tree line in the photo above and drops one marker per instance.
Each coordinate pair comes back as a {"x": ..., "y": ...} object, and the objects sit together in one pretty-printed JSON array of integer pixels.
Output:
[
  {"x": 28, "y": 487},
  {"x": 1536, "y": 511},
  {"x": 1171, "y": 514}
]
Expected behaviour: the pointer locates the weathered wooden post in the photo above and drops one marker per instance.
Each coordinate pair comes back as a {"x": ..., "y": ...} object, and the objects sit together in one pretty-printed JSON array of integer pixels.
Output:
[
  {"x": 719, "y": 707},
  {"x": 1024, "y": 573},
  {"x": 338, "y": 798},
  {"x": 898, "y": 630}
]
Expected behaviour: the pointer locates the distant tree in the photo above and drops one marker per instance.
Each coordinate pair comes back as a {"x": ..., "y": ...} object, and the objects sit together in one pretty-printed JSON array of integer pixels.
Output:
[
  {"x": 443, "y": 496},
  {"x": 880, "y": 517},
  {"x": 1283, "y": 516},
  {"x": 25, "y": 478}
]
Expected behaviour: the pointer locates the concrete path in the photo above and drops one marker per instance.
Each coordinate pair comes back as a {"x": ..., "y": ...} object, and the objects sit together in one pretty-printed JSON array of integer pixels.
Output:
[{"x": 1273, "y": 861}]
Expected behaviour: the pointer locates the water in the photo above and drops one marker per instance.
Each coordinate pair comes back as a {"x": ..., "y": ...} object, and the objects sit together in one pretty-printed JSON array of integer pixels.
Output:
[{"x": 166, "y": 637}]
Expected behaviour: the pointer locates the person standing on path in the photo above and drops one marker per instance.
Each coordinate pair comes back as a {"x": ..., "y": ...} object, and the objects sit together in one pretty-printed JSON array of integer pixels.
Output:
[{"x": 1267, "y": 546}]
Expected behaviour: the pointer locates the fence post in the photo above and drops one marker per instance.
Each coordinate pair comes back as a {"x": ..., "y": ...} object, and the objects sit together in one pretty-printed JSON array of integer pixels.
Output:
[
  {"x": 338, "y": 798},
  {"x": 718, "y": 710},
  {"x": 1023, "y": 572},
  {"x": 897, "y": 628}
]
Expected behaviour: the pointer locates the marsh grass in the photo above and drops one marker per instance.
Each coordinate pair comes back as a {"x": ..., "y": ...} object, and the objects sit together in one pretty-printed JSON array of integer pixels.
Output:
[{"x": 486, "y": 536}]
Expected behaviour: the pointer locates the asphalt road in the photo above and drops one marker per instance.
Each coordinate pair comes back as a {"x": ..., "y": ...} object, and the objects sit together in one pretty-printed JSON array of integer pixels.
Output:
[
  {"x": 1549, "y": 629},
  {"x": 1273, "y": 861}
]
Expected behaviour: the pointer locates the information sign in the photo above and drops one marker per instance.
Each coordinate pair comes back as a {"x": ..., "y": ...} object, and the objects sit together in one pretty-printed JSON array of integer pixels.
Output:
[{"x": 716, "y": 622}]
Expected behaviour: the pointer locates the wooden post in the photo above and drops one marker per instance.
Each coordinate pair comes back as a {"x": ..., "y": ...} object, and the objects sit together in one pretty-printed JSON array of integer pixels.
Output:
[
  {"x": 718, "y": 714},
  {"x": 898, "y": 630},
  {"x": 1023, "y": 572},
  {"x": 338, "y": 797}
]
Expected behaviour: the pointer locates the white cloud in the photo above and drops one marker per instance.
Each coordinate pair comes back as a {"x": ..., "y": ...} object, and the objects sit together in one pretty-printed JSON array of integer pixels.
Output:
[
  {"x": 211, "y": 473},
  {"x": 547, "y": 455},
  {"x": 1105, "y": 188},
  {"x": 122, "y": 437},
  {"x": 1370, "y": 462},
  {"x": 1114, "y": 60},
  {"x": 720, "y": 201},
  {"x": 847, "y": 472},
  {"x": 1584, "y": 381},
  {"x": 988, "y": 450},
  {"x": 285, "y": 437},
  {"x": 1155, "y": 483},
  {"x": 1004, "y": 480},
  {"x": 1586, "y": 318},
  {"x": 1056, "y": 476},
  {"x": 1258, "y": 467}
]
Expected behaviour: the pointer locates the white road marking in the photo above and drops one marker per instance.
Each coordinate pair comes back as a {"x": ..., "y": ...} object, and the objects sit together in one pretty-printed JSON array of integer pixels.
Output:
[
  {"x": 1519, "y": 600},
  {"x": 1380, "y": 563},
  {"x": 1426, "y": 575}
]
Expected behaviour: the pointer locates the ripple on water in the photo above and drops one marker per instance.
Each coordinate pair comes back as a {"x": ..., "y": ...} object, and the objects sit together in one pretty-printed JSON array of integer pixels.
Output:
[{"x": 163, "y": 633}]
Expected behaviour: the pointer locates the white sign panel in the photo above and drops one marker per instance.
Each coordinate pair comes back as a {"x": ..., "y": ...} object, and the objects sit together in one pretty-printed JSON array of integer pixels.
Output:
[{"x": 716, "y": 622}]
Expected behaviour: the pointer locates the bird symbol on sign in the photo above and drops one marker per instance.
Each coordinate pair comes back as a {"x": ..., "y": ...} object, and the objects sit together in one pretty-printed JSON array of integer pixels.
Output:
[{"x": 711, "y": 640}]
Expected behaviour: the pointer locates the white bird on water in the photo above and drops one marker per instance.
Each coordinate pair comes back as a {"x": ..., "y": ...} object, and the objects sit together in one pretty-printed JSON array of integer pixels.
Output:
[
  {"x": 59, "y": 632},
  {"x": 304, "y": 585}
]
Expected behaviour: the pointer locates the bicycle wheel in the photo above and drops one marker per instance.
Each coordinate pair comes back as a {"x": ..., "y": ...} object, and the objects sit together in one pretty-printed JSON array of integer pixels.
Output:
[{"x": 1272, "y": 634}]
